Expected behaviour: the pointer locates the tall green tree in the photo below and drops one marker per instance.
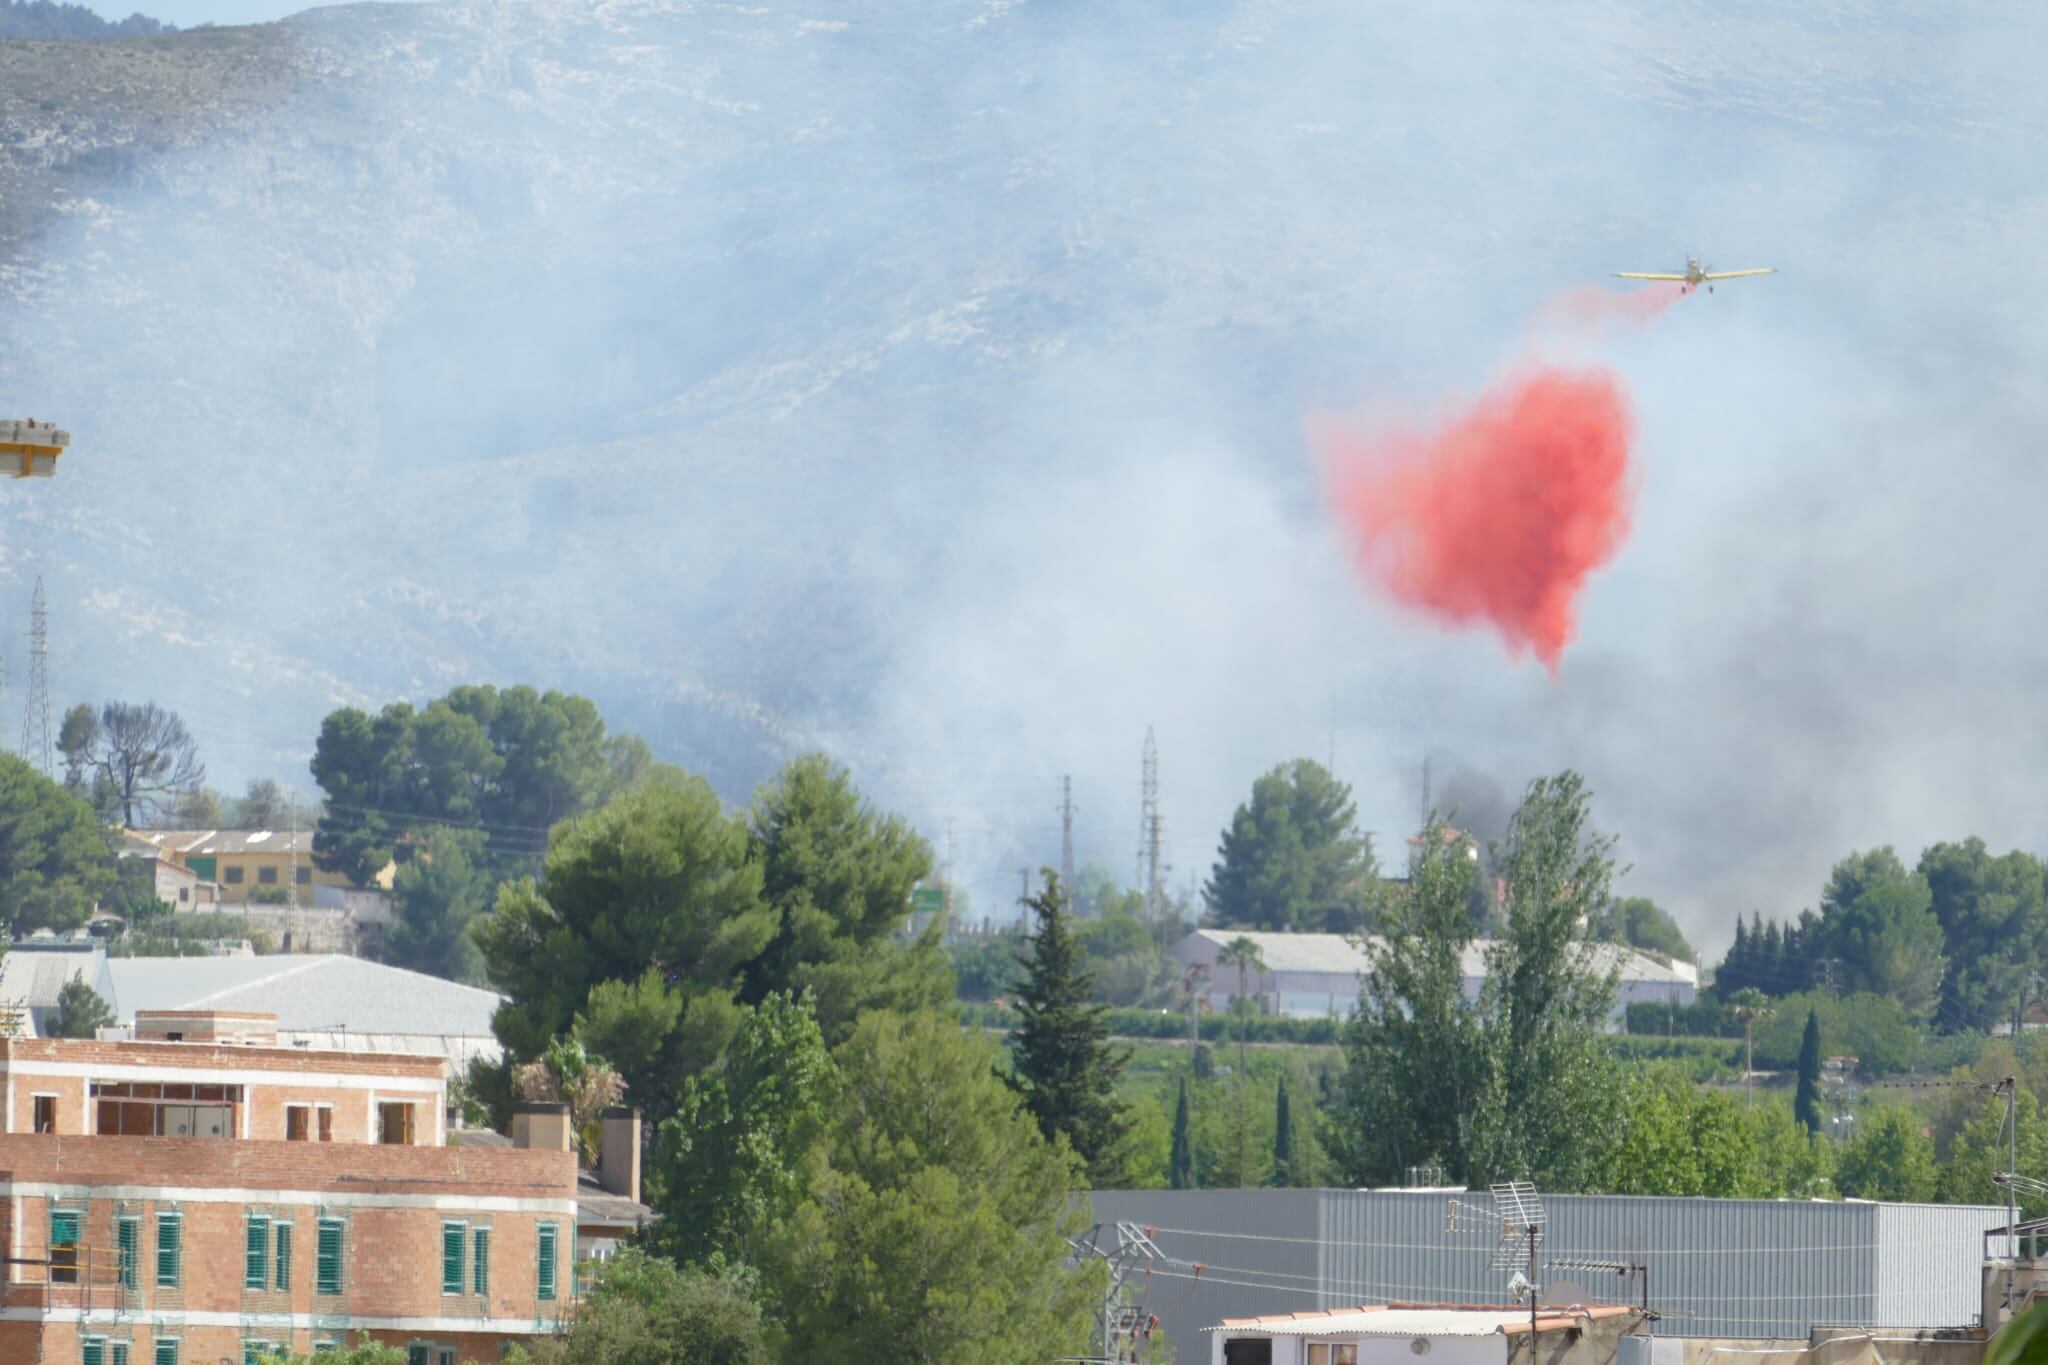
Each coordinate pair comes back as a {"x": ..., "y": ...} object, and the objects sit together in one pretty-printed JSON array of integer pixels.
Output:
[
  {"x": 508, "y": 763},
  {"x": 649, "y": 932},
  {"x": 1292, "y": 857},
  {"x": 642, "y": 1310},
  {"x": 1414, "y": 1054},
  {"x": 1283, "y": 1138},
  {"x": 1993, "y": 912},
  {"x": 1877, "y": 920},
  {"x": 838, "y": 874},
  {"x": 655, "y": 895},
  {"x": 935, "y": 1224},
  {"x": 54, "y": 861},
  {"x": 438, "y": 896},
  {"x": 1064, "y": 1064},
  {"x": 1642, "y": 923},
  {"x": 1551, "y": 1104},
  {"x": 730, "y": 1160},
  {"x": 1181, "y": 1165},
  {"x": 1750, "y": 1007},
  {"x": 1243, "y": 954},
  {"x": 1678, "y": 1139},
  {"x": 1890, "y": 1157},
  {"x": 1806, "y": 1104},
  {"x": 80, "y": 1012}
]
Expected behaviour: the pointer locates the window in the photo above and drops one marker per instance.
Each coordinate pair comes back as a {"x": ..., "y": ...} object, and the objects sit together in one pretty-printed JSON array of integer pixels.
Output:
[
  {"x": 170, "y": 1246},
  {"x": 327, "y": 1258},
  {"x": 266, "y": 876},
  {"x": 1341, "y": 1354},
  {"x": 64, "y": 1245},
  {"x": 394, "y": 1123},
  {"x": 303, "y": 876},
  {"x": 93, "y": 1351},
  {"x": 166, "y": 1351},
  {"x": 46, "y": 1113},
  {"x": 480, "y": 1260},
  {"x": 326, "y": 1123},
  {"x": 298, "y": 1122},
  {"x": 453, "y": 1236},
  {"x": 117, "y": 1353},
  {"x": 184, "y": 894},
  {"x": 147, "y": 1109},
  {"x": 544, "y": 1259},
  {"x": 446, "y": 1356},
  {"x": 326, "y": 1348},
  {"x": 231, "y": 875},
  {"x": 416, "y": 1354},
  {"x": 256, "y": 1252},
  {"x": 127, "y": 1248},
  {"x": 281, "y": 1253},
  {"x": 254, "y": 1351}
]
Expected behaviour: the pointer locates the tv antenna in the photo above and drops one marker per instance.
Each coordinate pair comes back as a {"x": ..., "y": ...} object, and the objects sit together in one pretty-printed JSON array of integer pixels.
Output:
[{"x": 1518, "y": 1215}]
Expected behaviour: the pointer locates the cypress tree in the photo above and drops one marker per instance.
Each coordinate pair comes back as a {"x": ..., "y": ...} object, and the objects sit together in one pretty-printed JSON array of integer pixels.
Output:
[
  {"x": 1180, "y": 1169},
  {"x": 1283, "y": 1139},
  {"x": 1064, "y": 1065},
  {"x": 1806, "y": 1104}
]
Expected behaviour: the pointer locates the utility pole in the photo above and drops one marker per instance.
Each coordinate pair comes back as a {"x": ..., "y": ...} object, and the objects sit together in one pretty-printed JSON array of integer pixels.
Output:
[
  {"x": 1067, "y": 833},
  {"x": 1151, "y": 837},
  {"x": 35, "y": 712}
]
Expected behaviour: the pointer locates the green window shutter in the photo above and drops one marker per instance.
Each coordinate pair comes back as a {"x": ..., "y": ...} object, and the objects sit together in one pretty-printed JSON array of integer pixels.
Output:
[
  {"x": 117, "y": 1353},
  {"x": 170, "y": 1242},
  {"x": 480, "y": 1259},
  {"x": 327, "y": 1258},
  {"x": 63, "y": 1228},
  {"x": 93, "y": 1351},
  {"x": 545, "y": 1259},
  {"x": 166, "y": 1353},
  {"x": 452, "y": 1238},
  {"x": 281, "y": 1253},
  {"x": 256, "y": 1252},
  {"x": 128, "y": 1248},
  {"x": 416, "y": 1355}
]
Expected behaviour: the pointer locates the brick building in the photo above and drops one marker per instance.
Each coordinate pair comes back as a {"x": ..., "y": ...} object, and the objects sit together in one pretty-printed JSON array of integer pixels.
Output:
[{"x": 200, "y": 1194}]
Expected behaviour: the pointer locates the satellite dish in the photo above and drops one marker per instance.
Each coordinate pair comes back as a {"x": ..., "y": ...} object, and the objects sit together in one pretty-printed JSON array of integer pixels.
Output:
[
  {"x": 1519, "y": 1287},
  {"x": 1564, "y": 1294}
]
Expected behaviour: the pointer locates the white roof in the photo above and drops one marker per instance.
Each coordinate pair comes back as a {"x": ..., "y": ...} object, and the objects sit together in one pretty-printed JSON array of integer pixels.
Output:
[
  {"x": 307, "y": 992},
  {"x": 1343, "y": 954},
  {"x": 31, "y": 978},
  {"x": 1388, "y": 1322}
]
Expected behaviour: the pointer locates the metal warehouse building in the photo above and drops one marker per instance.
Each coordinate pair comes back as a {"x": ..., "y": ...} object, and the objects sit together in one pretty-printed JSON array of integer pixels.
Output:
[{"x": 1716, "y": 1267}]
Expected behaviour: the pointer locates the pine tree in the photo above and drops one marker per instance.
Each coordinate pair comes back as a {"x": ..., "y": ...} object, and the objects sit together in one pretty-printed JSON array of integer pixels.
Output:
[
  {"x": 1283, "y": 1139},
  {"x": 1806, "y": 1104},
  {"x": 1180, "y": 1170},
  {"x": 1065, "y": 1067}
]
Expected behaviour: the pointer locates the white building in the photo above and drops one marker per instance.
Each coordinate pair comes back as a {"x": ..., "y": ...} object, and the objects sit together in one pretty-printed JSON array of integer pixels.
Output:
[
  {"x": 1312, "y": 976},
  {"x": 1394, "y": 1334}
]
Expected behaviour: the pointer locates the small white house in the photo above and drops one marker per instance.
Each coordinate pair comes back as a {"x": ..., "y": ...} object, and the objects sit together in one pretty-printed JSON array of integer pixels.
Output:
[
  {"x": 1418, "y": 1334},
  {"x": 1311, "y": 976}
]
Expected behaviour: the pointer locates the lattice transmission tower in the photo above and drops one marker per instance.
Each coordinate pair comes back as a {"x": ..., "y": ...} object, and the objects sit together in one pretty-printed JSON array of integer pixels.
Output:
[{"x": 35, "y": 710}]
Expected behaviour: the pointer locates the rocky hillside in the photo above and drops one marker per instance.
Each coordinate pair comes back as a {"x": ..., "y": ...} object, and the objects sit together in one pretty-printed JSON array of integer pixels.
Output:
[{"x": 926, "y": 381}]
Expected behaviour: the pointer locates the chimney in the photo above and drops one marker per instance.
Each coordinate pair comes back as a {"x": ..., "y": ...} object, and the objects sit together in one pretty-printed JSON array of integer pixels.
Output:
[
  {"x": 541, "y": 1125},
  {"x": 618, "y": 1153}
]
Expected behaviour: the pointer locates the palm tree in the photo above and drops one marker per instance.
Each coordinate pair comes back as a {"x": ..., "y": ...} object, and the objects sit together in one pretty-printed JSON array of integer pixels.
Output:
[
  {"x": 1750, "y": 1006},
  {"x": 1244, "y": 954}
]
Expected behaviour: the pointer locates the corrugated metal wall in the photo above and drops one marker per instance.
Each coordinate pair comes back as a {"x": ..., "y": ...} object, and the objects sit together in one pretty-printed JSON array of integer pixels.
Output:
[{"x": 1722, "y": 1267}]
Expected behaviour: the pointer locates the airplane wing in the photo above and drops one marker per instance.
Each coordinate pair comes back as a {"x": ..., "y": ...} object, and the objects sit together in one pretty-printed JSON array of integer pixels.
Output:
[
  {"x": 1740, "y": 274},
  {"x": 1629, "y": 275}
]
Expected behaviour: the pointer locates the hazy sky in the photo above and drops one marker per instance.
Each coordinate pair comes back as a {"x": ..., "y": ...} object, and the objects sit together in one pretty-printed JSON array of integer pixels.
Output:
[
  {"x": 191, "y": 13},
  {"x": 927, "y": 382}
]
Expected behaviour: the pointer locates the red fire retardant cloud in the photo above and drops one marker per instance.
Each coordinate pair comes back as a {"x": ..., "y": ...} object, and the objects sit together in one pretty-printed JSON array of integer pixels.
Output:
[{"x": 1498, "y": 514}]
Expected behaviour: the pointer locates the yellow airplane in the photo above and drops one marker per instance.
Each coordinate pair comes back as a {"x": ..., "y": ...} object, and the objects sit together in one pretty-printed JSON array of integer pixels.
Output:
[{"x": 1695, "y": 275}]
